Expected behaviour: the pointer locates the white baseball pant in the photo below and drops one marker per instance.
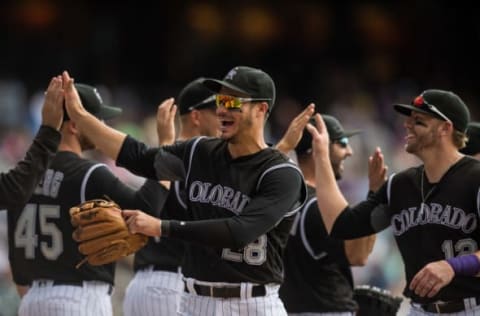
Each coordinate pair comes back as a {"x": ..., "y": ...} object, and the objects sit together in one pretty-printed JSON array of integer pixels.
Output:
[
  {"x": 153, "y": 293},
  {"x": 45, "y": 298},
  {"x": 198, "y": 305}
]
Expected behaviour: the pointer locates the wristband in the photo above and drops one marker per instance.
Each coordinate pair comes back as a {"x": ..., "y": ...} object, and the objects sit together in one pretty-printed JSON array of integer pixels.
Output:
[
  {"x": 165, "y": 228},
  {"x": 468, "y": 265}
]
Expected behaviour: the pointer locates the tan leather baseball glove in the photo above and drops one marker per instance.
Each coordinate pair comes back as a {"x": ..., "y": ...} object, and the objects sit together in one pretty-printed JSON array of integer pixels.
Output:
[{"x": 102, "y": 233}]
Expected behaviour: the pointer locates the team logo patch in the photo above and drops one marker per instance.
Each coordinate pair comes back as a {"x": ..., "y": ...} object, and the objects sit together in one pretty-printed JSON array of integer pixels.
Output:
[
  {"x": 418, "y": 101},
  {"x": 232, "y": 73}
]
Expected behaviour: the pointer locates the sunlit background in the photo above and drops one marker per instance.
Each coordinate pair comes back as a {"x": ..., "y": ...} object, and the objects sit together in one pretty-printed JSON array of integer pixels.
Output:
[{"x": 352, "y": 59}]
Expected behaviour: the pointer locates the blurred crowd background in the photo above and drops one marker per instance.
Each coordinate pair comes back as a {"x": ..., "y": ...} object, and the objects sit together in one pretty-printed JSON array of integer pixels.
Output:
[{"x": 353, "y": 59}]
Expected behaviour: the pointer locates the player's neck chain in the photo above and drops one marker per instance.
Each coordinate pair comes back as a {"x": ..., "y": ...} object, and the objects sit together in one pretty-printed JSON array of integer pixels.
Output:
[{"x": 425, "y": 197}]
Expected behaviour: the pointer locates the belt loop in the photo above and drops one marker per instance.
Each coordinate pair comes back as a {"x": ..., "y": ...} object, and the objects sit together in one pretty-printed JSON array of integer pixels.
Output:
[
  {"x": 189, "y": 282},
  {"x": 470, "y": 302},
  {"x": 246, "y": 290},
  {"x": 437, "y": 308}
]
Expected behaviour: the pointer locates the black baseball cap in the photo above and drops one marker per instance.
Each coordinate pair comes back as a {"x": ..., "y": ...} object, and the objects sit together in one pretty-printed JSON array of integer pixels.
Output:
[
  {"x": 473, "y": 144},
  {"x": 195, "y": 96},
  {"x": 93, "y": 103},
  {"x": 247, "y": 80},
  {"x": 335, "y": 133},
  {"x": 444, "y": 105}
]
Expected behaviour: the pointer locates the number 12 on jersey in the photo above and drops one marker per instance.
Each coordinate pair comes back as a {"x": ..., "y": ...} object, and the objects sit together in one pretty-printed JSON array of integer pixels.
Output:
[
  {"x": 26, "y": 235},
  {"x": 254, "y": 253}
]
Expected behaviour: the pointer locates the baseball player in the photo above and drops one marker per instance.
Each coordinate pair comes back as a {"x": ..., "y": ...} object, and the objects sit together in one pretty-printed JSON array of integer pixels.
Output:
[
  {"x": 158, "y": 283},
  {"x": 433, "y": 209},
  {"x": 473, "y": 144},
  {"x": 17, "y": 185},
  {"x": 241, "y": 198},
  {"x": 318, "y": 278},
  {"x": 42, "y": 252}
]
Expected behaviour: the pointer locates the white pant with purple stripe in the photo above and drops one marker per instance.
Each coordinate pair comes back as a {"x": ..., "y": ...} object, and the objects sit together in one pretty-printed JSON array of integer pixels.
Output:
[
  {"x": 46, "y": 299},
  {"x": 197, "y": 305},
  {"x": 153, "y": 293}
]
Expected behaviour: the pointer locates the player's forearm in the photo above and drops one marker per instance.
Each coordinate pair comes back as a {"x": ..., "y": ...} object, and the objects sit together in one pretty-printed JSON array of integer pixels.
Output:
[
  {"x": 17, "y": 185},
  {"x": 211, "y": 233},
  {"x": 105, "y": 138},
  {"x": 329, "y": 198},
  {"x": 358, "y": 250}
]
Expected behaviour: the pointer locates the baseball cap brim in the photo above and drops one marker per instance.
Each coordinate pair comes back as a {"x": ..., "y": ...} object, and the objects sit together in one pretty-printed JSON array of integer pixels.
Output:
[
  {"x": 406, "y": 109},
  {"x": 352, "y": 132},
  {"x": 216, "y": 85},
  {"x": 107, "y": 112}
]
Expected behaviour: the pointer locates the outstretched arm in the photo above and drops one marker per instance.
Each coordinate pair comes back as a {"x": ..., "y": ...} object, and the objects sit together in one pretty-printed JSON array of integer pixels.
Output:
[
  {"x": 295, "y": 130},
  {"x": 358, "y": 250},
  {"x": 107, "y": 139},
  {"x": 330, "y": 200},
  {"x": 17, "y": 185}
]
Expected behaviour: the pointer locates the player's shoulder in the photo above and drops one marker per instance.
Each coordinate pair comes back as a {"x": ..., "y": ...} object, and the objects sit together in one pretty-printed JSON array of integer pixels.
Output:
[
  {"x": 468, "y": 171},
  {"x": 205, "y": 143},
  {"x": 71, "y": 162}
]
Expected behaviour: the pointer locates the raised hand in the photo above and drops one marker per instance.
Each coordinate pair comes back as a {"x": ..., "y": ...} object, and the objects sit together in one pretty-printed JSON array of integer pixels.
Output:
[
  {"x": 377, "y": 170},
  {"x": 52, "y": 111},
  {"x": 73, "y": 104},
  {"x": 166, "y": 122},
  {"x": 320, "y": 138},
  {"x": 295, "y": 130}
]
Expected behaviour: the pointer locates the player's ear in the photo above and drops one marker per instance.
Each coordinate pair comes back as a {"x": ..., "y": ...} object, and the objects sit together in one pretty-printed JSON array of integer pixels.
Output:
[
  {"x": 446, "y": 128},
  {"x": 195, "y": 116},
  {"x": 263, "y": 108}
]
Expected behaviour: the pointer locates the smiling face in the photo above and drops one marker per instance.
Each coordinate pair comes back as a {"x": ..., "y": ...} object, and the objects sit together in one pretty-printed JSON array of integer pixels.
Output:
[
  {"x": 422, "y": 132},
  {"x": 339, "y": 152},
  {"x": 241, "y": 123}
]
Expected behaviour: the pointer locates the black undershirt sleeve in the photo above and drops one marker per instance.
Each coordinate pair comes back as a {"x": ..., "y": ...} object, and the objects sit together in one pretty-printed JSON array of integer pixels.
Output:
[
  {"x": 366, "y": 218},
  {"x": 280, "y": 192},
  {"x": 163, "y": 163},
  {"x": 17, "y": 185},
  {"x": 149, "y": 198}
]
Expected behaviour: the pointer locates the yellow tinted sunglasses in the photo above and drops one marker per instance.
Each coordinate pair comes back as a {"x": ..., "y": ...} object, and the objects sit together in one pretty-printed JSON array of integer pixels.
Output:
[{"x": 231, "y": 102}]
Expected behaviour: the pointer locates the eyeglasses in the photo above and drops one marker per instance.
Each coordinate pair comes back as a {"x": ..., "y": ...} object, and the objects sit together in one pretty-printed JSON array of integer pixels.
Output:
[
  {"x": 420, "y": 101},
  {"x": 231, "y": 102},
  {"x": 202, "y": 103},
  {"x": 343, "y": 142}
]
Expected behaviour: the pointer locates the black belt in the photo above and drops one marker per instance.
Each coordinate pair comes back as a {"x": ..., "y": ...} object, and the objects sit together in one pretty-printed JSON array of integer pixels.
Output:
[
  {"x": 226, "y": 292},
  {"x": 70, "y": 283},
  {"x": 447, "y": 307}
]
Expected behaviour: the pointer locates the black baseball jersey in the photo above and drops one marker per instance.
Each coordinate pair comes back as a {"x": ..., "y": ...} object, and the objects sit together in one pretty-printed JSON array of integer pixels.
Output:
[
  {"x": 40, "y": 234},
  {"x": 165, "y": 253},
  {"x": 433, "y": 223},
  {"x": 240, "y": 210},
  {"x": 17, "y": 185},
  {"x": 318, "y": 278}
]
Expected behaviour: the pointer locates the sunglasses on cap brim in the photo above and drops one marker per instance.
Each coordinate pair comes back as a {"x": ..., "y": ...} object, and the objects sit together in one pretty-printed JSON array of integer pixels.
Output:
[
  {"x": 419, "y": 102},
  {"x": 343, "y": 142},
  {"x": 203, "y": 103},
  {"x": 231, "y": 102}
]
